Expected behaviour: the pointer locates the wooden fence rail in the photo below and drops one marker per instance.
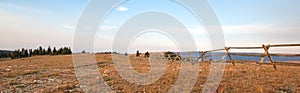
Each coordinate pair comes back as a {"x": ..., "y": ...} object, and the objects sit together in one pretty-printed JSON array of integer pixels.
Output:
[
  {"x": 257, "y": 54},
  {"x": 245, "y": 47},
  {"x": 284, "y": 45},
  {"x": 263, "y": 56}
]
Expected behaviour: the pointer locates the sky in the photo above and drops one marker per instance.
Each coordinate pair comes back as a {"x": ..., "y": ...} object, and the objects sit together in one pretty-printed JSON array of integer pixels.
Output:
[{"x": 33, "y": 23}]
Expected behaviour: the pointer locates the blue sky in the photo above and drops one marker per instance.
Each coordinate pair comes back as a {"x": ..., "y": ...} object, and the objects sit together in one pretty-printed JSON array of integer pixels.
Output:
[{"x": 31, "y": 23}]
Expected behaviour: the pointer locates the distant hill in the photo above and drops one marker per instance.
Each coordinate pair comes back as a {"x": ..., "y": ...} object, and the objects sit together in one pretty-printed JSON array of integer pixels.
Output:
[{"x": 4, "y": 51}]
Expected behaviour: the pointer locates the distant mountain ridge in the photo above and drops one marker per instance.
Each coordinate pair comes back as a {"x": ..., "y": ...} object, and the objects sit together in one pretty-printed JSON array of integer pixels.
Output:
[{"x": 5, "y": 51}]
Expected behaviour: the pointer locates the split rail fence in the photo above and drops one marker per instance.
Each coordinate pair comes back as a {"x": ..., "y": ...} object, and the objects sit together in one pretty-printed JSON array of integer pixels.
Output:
[{"x": 266, "y": 49}]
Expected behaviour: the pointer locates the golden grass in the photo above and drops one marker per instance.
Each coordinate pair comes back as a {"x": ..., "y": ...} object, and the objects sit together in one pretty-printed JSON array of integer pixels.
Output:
[{"x": 56, "y": 74}]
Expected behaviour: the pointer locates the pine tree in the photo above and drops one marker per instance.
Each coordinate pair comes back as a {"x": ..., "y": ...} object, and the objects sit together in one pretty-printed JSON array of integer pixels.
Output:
[
  {"x": 1, "y": 55},
  {"x": 11, "y": 55},
  {"x": 49, "y": 51},
  {"x": 22, "y": 54},
  {"x": 83, "y": 52},
  {"x": 30, "y": 53},
  {"x": 40, "y": 50},
  {"x": 35, "y": 52},
  {"x": 60, "y": 51},
  {"x": 44, "y": 52},
  {"x": 18, "y": 53},
  {"x": 66, "y": 50},
  {"x": 15, "y": 54},
  {"x": 54, "y": 51},
  {"x": 26, "y": 53},
  {"x": 69, "y": 50}
]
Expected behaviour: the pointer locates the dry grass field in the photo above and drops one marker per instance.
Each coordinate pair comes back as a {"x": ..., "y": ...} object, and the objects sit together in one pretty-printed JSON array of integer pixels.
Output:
[{"x": 55, "y": 74}]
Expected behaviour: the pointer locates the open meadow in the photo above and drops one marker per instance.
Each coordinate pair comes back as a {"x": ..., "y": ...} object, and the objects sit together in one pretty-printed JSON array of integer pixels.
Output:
[{"x": 50, "y": 74}]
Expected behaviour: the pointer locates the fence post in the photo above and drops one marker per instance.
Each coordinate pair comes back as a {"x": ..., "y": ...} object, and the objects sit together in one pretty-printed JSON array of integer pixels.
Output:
[
  {"x": 188, "y": 58},
  {"x": 227, "y": 52},
  {"x": 266, "y": 48},
  {"x": 270, "y": 57},
  {"x": 263, "y": 56},
  {"x": 202, "y": 56},
  {"x": 169, "y": 57},
  {"x": 177, "y": 58}
]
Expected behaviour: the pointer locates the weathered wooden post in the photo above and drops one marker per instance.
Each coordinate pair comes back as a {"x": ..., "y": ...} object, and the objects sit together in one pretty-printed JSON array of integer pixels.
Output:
[
  {"x": 228, "y": 54},
  {"x": 203, "y": 55},
  {"x": 188, "y": 58},
  {"x": 177, "y": 58},
  {"x": 266, "y": 48},
  {"x": 263, "y": 55},
  {"x": 169, "y": 57}
]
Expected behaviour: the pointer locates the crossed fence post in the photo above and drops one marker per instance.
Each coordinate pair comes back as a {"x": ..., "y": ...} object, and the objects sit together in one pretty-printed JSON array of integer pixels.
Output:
[
  {"x": 266, "y": 48},
  {"x": 227, "y": 53},
  {"x": 177, "y": 58},
  {"x": 169, "y": 57},
  {"x": 203, "y": 55},
  {"x": 188, "y": 58}
]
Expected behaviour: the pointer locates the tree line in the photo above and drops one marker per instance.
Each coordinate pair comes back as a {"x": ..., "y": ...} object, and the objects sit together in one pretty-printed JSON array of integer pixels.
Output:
[{"x": 21, "y": 53}]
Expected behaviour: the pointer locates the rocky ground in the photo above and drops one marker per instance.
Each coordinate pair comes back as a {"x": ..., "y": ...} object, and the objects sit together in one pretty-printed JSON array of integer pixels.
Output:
[{"x": 48, "y": 74}]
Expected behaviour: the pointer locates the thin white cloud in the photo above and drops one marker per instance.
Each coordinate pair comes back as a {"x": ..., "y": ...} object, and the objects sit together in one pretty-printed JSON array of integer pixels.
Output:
[
  {"x": 67, "y": 26},
  {"x": 197, "y": 31},
  {"x": 107, "y": 27},
  {"x": 122, "y": 9},
  {"x": 87, "y": 28}
]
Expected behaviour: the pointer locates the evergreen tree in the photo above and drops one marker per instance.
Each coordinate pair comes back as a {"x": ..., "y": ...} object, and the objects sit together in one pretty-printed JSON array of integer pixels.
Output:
[
  {"x": 40, "y": 50},
  {"x": 66, "y": 50},
  {"x": 3, "y": 55},
  {"x": 44, "y": 52},
  {"x": 54, "y": 51},
  {"x": 7, "y": 54},
  {"x": 18, "y": 53},
  {"x": 35, "y": 52},
  {"x": 11, "y": 55},
  {"x": 26, "y": 53},
  {"x": 49, "y": 51},
  {"x": 69, "y": 50},
  {"x": 30, "y": 52},
  {"x": 22, "y": 54},
  {"x": 15, "y": 54},
  {"x": 60, "y": 51},
  {"x": 83, "y": 52}
]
